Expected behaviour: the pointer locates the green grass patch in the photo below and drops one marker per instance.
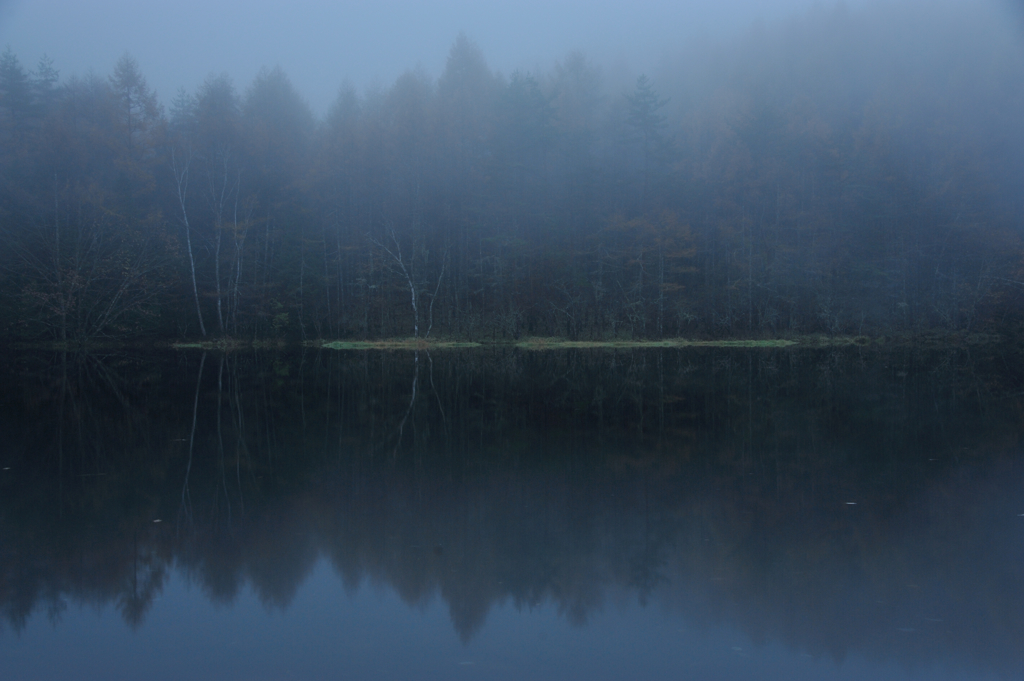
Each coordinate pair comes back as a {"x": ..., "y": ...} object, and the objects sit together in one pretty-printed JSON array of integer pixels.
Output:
[
  {"x": 394, "y": 344},
  {"x": 547, "y": 344},
  {"x": 769, "y": 343},
  {"x": 557, "y": 343},
  {"x": 536, "y": 343},
  {"x": 922, "y": 340}
]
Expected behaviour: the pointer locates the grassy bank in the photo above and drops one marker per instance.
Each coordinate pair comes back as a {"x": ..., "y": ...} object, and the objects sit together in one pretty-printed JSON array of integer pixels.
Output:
[
  {"x": 918, "y": 340},
  {"x": 930, "y": 340},
  {"x": 393, "y": 344},
  {"x": 544, "y": 344},
  {"x": 555, "y": 343}
]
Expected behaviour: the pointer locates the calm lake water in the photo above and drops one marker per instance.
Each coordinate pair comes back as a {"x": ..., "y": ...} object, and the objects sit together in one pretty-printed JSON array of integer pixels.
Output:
[{"x": 502, "y": 514}]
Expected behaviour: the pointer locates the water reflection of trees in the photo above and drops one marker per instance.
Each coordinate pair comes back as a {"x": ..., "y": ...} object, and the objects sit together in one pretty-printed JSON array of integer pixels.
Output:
[{"x": 713, "y": 483}]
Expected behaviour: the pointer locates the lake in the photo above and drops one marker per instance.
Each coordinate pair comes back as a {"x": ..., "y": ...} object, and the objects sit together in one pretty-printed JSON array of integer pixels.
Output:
[{"x": 504, "y": 514}]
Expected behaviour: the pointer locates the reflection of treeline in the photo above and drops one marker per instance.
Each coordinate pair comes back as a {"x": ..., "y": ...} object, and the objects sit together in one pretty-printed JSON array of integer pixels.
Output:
[
  {"x": 713, "y": 481},
  {"x": 853, "y": 171}
]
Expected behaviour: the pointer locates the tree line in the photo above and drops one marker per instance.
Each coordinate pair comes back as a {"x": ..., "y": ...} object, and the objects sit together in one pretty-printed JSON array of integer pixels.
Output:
[{"x": 846, "y": 173}]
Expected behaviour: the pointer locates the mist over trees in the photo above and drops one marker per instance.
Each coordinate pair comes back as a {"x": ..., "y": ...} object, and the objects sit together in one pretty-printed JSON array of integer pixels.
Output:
[{"x": 845, "y": 172}]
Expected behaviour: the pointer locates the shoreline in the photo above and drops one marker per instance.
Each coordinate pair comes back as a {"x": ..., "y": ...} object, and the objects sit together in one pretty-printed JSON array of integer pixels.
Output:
[{"x": 810, "y": 341}]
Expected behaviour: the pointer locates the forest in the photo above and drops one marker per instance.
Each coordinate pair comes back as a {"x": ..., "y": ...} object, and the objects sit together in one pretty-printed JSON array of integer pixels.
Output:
[{"x": 847, "y": 172}]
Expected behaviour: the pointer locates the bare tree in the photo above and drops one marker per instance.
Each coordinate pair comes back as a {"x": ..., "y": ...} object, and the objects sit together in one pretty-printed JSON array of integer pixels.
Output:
[
  {"x": 180, "y": 164},
  {"x": 406, "y": 269}
]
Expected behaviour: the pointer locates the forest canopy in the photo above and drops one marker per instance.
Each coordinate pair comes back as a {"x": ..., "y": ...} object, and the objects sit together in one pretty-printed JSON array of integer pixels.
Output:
[{"x": 846, "y": 172}]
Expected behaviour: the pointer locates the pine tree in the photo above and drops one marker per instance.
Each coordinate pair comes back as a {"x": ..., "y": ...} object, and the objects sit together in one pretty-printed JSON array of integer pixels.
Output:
[
  {"x": 136, "y": 103},
  {"x": 644, "y": 105},
  {"x": 15, "y": 95}
]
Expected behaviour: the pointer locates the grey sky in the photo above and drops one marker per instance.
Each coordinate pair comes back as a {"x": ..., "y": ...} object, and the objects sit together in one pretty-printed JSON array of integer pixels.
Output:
[{"x": 320, "y": 44}]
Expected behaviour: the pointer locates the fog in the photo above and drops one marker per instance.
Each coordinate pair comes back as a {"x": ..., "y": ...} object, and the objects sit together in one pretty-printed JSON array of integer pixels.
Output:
[
  {"x": 416, "y": 175},
  {"x": 686, "y": 170},
  {"x": 321, "y": 44}
]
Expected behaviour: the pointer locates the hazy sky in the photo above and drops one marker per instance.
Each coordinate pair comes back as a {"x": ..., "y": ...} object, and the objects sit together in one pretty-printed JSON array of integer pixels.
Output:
[{"x": 320, "y": 44}]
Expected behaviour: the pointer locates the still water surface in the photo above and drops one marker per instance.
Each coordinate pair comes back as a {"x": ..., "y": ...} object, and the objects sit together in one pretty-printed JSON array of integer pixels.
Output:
[{"x": 503, "y": 514}]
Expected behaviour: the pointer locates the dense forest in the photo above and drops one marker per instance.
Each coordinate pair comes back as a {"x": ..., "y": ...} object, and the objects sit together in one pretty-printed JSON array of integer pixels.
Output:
[{"x": 846, "y": 172}]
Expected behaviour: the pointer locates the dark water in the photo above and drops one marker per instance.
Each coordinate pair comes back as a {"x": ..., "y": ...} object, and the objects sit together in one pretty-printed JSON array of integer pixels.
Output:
[{"x": 501, "y": 514}]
